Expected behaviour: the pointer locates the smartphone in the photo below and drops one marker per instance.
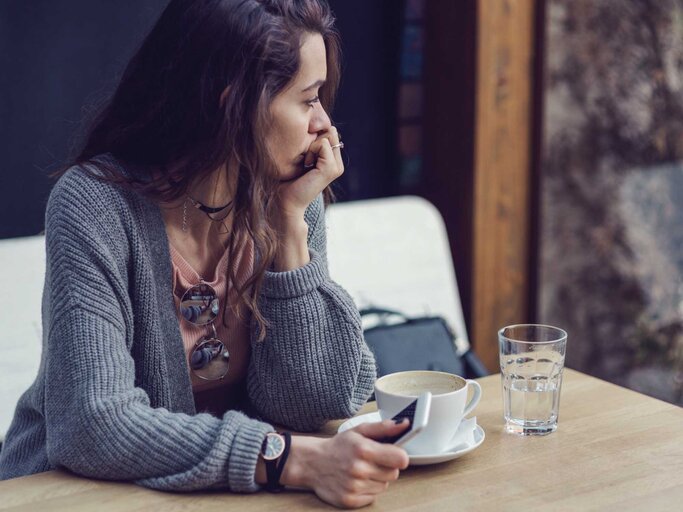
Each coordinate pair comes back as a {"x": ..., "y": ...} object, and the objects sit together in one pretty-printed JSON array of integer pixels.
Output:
[{"x": 417, "y": 412}]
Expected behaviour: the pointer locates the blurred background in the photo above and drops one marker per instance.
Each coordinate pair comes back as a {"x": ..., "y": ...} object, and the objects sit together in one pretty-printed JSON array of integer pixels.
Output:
[{"x": 549, "y": 134}]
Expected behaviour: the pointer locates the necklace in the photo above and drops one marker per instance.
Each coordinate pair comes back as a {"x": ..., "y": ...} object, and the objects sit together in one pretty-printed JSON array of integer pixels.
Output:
[
  {"x": 203, "y": 208},
  {"x": 207, "y": 209}
]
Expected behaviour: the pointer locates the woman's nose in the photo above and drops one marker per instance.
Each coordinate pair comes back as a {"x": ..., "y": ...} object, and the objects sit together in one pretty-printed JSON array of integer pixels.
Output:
[{"x": 321, "y": 121}]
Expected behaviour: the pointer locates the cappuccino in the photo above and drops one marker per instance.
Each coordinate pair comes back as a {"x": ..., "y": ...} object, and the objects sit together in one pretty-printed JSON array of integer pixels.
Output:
[
  {"x": 449, "y": 404},
  {"x": 415, "y": 383}
]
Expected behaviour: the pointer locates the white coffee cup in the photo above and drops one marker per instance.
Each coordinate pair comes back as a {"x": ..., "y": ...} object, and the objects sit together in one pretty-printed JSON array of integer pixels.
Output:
[{"x": 396, "y": 391}]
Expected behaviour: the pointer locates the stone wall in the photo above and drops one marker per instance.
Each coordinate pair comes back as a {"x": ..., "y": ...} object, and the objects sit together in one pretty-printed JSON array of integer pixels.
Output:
[{"x": 612, "y": 189}]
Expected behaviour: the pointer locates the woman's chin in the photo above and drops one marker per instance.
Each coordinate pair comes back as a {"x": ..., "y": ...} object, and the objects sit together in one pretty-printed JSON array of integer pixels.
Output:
[{"x": 294, "y": 172}]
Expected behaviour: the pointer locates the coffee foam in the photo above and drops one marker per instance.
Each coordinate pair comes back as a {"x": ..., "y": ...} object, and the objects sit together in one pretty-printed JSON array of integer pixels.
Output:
[{"x": 414, "y": 384}]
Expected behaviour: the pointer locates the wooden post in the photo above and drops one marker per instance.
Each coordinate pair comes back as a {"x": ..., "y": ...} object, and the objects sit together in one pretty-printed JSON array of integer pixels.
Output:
[{"x": 502, "y": 171}]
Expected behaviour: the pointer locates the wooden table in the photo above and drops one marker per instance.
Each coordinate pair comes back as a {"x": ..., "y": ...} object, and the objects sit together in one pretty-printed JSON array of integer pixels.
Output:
[{"x": 614, "y": 449}]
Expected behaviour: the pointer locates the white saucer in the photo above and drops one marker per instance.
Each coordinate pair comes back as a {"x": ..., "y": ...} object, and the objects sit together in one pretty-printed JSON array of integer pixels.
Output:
[{"x": 421, "y": 460}]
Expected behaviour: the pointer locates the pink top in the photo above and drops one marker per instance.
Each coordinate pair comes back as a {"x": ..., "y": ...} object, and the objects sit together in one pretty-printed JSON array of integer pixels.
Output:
[{"x": 235, "y": 336}]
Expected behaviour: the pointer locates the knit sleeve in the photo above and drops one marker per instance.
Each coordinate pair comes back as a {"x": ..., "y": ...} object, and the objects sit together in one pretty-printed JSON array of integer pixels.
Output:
[
  {"x": 98, "y": 423},
  {"x": 314, "y": 364}
]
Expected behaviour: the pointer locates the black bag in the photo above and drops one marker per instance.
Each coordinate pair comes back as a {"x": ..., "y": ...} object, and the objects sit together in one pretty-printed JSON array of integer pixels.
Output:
[{"x": 424, "y": 343}]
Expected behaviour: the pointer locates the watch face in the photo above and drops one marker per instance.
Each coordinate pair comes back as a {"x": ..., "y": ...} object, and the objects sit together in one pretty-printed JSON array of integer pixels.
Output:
[{"x": 274, "y": 445}]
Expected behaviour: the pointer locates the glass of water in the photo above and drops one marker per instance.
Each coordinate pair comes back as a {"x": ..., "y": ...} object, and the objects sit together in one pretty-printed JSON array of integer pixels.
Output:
[{"x": 531, "y": 364}]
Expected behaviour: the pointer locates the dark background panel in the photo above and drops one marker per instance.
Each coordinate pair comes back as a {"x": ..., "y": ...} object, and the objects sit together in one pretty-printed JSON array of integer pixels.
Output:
[
  {"x": 56, "y": 58},
  {"x": 366, "y": 109},
  {"x": 59, "y": 59}
]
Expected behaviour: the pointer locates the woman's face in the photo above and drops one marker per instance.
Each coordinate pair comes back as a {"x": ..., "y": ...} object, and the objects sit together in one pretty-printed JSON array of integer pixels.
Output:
[{"x": 298, "y": 117}]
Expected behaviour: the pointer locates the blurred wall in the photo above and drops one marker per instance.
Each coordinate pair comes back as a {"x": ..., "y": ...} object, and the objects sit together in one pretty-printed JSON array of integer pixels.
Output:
[
  {"x": 58, "y": 57},
  {"x": 612, "y": 190}
]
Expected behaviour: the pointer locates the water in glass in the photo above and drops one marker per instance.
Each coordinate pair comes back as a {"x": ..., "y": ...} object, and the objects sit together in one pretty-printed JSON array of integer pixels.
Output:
[{"x": 531, "y": 388}]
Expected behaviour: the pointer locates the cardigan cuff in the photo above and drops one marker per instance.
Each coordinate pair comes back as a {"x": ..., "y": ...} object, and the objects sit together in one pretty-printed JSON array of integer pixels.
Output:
[
  {"x": 246, "y": 447},
  {"x": 298, "y": 282}
]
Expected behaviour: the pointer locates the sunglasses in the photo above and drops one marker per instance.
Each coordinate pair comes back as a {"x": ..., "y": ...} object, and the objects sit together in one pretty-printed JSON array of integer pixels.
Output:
[{"x": 209, "y": 359}]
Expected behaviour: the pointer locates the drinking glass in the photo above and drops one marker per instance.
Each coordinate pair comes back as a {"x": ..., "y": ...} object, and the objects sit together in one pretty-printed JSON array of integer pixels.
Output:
[{"x": 531, "y": 365}]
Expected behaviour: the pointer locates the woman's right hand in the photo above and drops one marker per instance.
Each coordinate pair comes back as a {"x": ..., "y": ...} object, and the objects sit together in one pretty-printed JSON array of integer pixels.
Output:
[{"x": 350, "y": 469}]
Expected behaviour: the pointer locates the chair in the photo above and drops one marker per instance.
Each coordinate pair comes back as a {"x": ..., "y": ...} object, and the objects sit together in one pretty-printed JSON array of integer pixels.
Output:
[
  {"x": 22, "y": 272},
  {"x": 394, "y": 253}
]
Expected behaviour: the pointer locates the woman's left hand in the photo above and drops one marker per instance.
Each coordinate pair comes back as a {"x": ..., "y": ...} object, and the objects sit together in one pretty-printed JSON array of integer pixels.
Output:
[{"x": 297, "y": 194}]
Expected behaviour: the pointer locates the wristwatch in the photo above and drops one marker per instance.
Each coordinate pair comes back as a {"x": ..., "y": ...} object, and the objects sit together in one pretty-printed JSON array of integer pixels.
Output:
[{"x": 274, "y": 452}]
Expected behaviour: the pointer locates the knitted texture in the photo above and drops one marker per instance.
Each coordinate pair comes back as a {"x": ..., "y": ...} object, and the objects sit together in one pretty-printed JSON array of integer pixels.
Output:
[{"x": 113, "y": 398}]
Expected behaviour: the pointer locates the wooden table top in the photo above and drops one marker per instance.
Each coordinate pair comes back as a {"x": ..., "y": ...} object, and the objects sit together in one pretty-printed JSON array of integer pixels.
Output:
[{"x": 614, "y": 449}]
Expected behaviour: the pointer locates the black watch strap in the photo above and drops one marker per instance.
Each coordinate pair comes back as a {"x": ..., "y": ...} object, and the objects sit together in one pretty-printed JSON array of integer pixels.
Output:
[{"x": 275, "y": 467}]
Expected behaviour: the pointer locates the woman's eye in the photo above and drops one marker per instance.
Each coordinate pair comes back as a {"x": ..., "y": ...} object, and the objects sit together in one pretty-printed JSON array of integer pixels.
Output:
[{"x": 310, "y": 103}]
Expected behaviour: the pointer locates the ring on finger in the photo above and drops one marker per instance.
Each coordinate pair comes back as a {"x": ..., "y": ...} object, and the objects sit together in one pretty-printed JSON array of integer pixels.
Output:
[{"x": 340, "y": 145}]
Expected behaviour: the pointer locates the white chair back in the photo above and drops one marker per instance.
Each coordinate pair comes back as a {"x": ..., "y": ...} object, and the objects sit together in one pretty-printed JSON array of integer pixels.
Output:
[
  {"x": 22, "y": 273},
  {"x": 394, "y": 253}
]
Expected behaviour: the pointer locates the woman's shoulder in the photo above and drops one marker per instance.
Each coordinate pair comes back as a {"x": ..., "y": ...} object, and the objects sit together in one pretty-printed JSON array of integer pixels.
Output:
[
  {"x": 84, "y": 193},
  {"x": 88, "y": 177}
]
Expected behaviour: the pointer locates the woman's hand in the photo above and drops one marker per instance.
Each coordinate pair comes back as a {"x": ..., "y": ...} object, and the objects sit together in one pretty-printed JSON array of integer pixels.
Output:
[
  {"x": 297, "y": 194},
  {"x": 350, "y": 469}
]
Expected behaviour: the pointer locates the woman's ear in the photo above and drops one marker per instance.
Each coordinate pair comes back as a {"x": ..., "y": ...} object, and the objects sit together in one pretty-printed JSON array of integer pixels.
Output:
[{"x": 223, "y": 97}]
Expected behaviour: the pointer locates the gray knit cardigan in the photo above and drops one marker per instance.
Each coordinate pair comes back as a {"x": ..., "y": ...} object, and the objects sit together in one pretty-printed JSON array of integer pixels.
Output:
[{"x": 113, "y": 398}]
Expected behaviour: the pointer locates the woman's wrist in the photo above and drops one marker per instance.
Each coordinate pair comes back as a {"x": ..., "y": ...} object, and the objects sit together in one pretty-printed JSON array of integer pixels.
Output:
[
  {"x": 298, "y": 471},
  {"x": 293, "y": 247}
]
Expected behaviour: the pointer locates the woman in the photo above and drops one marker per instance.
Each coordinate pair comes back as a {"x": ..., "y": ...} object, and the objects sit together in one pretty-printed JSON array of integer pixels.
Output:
[{"x": 187, "y": 280}]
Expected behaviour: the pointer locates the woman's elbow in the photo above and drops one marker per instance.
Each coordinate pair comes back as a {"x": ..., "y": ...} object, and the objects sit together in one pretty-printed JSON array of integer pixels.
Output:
[
  {"x": 91, "y": 455},
  {"x": 68, "y": 453}
]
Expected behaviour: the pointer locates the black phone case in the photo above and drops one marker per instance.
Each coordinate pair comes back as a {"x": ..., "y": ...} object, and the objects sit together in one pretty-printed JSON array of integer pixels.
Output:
[{"x": 408, "y": 412}]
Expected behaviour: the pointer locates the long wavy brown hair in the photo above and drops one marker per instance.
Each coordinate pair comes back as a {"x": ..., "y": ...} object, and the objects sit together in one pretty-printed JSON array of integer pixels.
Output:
[{"x": 166, "y": 125}]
